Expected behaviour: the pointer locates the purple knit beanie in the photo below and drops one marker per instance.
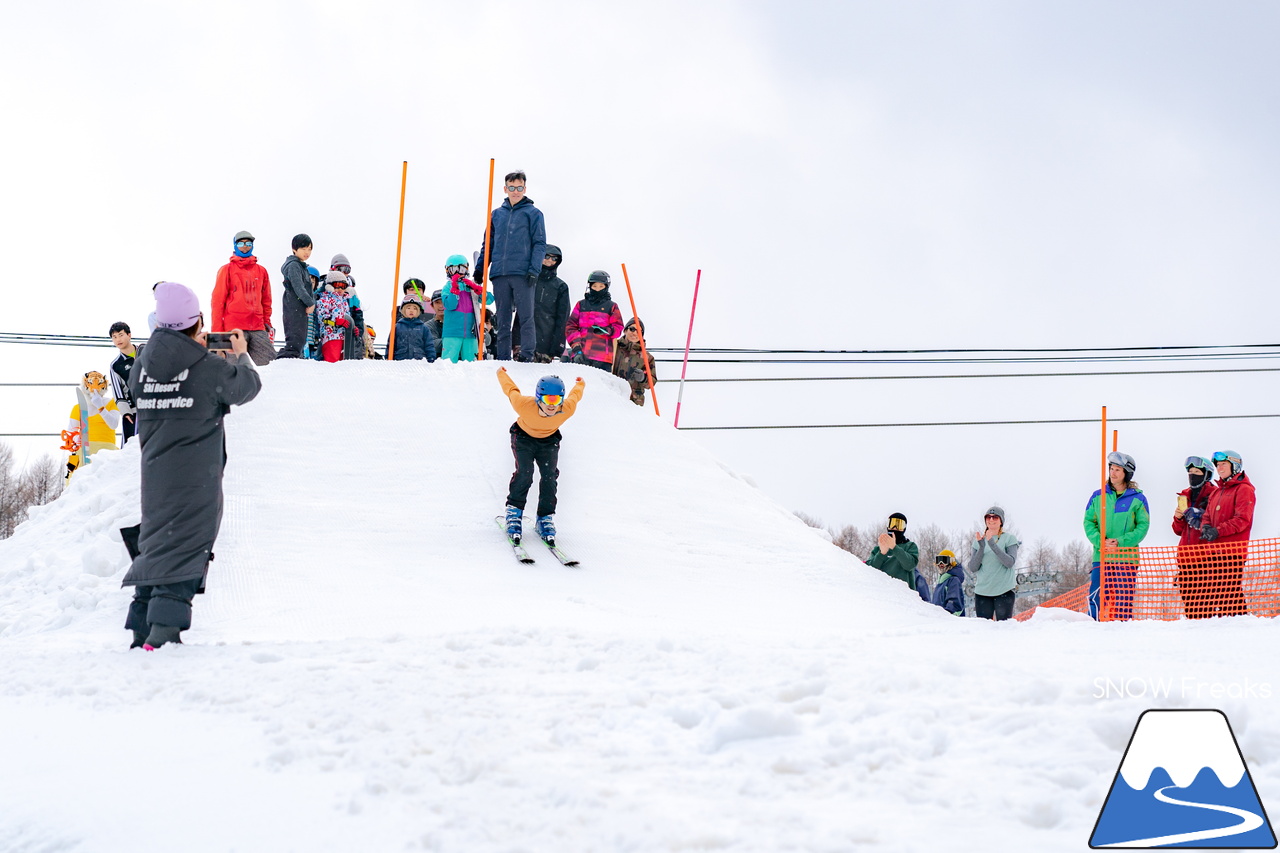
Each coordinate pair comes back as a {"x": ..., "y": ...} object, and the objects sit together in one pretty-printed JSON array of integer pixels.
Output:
[{"x": 177, "y": 306}]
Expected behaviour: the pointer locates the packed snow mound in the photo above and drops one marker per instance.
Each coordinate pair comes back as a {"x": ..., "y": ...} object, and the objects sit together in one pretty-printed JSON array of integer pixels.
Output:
[{"x": 361, "y": 498}]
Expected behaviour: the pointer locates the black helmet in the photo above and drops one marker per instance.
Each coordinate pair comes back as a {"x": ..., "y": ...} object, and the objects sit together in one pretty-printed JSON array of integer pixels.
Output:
[{"x": 598, "y": 275}]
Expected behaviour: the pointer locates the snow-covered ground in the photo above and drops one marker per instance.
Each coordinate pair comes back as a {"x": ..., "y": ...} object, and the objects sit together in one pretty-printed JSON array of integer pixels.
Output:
[{"x": 371, "y": 670}]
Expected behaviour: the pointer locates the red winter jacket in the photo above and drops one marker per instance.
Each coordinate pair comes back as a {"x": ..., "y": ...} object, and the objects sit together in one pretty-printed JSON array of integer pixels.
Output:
[
  {"x": 1191, "y": 535},
  {"x": 1231, "y": 509},
  {"x": 241, "y": 297}
]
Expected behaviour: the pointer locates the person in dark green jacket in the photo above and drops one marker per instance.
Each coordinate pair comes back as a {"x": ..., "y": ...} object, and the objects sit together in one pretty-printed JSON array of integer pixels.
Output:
[
  {"x": 897, "y": 556},
  {"x": 1128, "y": 519}
]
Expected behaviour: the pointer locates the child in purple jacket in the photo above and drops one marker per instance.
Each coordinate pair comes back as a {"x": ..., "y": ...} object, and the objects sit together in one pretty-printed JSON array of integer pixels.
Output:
[{"x": 594, "y": 325}]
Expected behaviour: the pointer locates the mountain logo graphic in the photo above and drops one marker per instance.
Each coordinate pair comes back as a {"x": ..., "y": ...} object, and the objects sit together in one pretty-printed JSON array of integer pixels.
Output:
[{"x": 1183, "y": 783}]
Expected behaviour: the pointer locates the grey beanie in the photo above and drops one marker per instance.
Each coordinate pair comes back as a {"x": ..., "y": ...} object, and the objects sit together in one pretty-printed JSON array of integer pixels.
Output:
[
  {"x": 242, "y": 235},
  {"x": 995, "y": 510},
  {"x": 339, "y": 260},
  {"x": 335, "y": 275}
]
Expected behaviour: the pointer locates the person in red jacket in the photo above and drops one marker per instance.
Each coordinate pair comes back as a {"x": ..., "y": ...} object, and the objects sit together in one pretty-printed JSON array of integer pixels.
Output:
[
  {"x": 1227, "y": 522},
  {"x": 242, "y": 300},
  {"x": 1193, "y": 580}
]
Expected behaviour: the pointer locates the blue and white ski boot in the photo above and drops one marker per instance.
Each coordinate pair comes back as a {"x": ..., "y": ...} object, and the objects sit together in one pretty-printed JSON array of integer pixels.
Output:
[
  {"x": 514, "y": 516},
  {"x": 546, "y": 529}
]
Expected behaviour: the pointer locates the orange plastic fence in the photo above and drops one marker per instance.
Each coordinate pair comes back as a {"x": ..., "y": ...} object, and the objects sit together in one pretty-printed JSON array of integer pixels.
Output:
[
  {"x": 1076, "y": 599},
  {"x": 1184, "y": 582}
]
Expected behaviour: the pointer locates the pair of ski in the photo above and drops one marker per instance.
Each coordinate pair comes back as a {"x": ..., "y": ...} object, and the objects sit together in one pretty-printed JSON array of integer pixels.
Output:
[{"x": 523, "y": 556}]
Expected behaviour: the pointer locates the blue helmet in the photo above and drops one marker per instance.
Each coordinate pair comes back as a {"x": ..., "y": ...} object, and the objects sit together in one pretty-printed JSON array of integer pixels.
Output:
[{"x": 549, "y": 385}]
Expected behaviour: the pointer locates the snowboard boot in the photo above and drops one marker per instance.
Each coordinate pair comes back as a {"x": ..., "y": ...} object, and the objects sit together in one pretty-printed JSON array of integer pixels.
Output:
[
  {"x": 161, "y": 634},
  {"x": 546, "y": 529},
  {"x": 514, "y": 523}
]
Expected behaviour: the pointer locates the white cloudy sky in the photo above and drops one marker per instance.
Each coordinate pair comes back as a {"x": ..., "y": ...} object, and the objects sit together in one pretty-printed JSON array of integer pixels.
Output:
[{"x": 848, "y": 175}]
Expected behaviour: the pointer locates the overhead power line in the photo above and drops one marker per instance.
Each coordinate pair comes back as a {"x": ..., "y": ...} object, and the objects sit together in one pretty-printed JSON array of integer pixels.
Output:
[
  {"x": 981, "y": 375},
  {"x": 985, "y": 423}
]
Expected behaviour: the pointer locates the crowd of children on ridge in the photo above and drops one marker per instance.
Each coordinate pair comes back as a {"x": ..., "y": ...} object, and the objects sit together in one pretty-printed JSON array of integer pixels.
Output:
[{"x": 532, "y": 321}]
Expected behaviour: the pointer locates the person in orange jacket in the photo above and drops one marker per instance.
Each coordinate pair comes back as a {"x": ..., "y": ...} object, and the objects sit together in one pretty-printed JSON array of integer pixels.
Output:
[
  {"x": 535, "y": 438},
  {"x": 242, "y": 300}
]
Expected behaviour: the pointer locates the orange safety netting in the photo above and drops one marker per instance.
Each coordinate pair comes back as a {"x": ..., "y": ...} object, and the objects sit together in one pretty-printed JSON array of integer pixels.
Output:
[
  {"x": 1184, "y": 582},
  {"x": 1076, "y": 599}
]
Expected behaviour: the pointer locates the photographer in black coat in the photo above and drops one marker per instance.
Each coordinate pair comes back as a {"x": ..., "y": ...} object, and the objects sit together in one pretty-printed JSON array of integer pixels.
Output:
[{"x": 182, "y": 391}]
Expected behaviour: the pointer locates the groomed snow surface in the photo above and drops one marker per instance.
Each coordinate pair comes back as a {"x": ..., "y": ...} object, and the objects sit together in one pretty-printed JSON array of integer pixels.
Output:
[{"x": 371, "y": 670}]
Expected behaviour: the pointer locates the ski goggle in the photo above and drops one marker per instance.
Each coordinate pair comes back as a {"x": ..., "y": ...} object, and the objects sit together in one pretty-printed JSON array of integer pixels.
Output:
[
  {"x": 942, "y": 561},
  {"x": 551, "y": 399},
  {"x": 1198, "y": 462},
  {"x": 244, "y": 243},
  {"x": 456, "y": 269},
  {"x": 1224, "y": 457},
  {"x": 345, "y": 269},
  {"x": 897, "y": 525}
]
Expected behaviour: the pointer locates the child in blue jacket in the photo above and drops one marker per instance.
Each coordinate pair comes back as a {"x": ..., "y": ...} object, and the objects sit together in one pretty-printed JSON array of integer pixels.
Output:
[
  {"x": 413, "y": 339},
  {"x": 949, "y": 591}
]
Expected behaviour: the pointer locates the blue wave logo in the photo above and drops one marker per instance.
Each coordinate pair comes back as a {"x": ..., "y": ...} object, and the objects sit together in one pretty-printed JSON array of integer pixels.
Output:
[{"x": 1183, "y": 783}]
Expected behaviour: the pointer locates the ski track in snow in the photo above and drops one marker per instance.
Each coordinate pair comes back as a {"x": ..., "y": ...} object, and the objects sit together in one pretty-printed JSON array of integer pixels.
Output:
[{"x": 372, "y": 670}]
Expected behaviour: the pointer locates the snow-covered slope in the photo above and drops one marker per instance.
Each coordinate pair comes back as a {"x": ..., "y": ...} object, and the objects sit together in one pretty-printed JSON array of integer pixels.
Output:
[{"x": 372, "y": 670}]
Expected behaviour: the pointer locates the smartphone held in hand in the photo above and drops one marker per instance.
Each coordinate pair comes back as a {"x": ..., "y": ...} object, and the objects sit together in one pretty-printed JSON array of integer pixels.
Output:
[{"x": 218, "y": 341}]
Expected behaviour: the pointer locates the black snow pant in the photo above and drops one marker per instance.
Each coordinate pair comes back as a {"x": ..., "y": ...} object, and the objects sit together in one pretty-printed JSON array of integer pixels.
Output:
[
  {"x": 295, "y": 325},
  {"x": 129, "y": 426},
  {"x": 166, "y": 604},
  {"x": 998, "y": 607},
  {"x": 527, "y": 451},
  {"x": 514, "y": 293}
]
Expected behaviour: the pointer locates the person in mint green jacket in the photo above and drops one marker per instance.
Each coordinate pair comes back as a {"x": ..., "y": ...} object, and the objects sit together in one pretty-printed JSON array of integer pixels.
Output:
[
  {"x": 992, "y": 559},
  {"x": 1128, "y": 519},
  {"x": 897, "y": 556}
]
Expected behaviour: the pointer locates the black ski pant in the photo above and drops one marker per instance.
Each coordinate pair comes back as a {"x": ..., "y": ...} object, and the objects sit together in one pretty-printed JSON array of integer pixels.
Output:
[
  {"x": 129, "y": 426},
  {"x": 295, "y": 325},
  {"x": 545, "y": 452},
  {"x": 167, "y": 604},
  {"x": 514, "y": 293},
  {"x": 997, "y": 607}
]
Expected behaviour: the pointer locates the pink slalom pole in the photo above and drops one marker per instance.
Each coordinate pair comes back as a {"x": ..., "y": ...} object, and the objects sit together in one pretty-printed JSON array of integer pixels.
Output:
[{"x": 685, "y": 367}]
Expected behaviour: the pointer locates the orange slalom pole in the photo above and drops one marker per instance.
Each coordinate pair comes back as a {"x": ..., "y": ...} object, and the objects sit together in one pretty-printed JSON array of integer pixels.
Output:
[
  {"x": 1102, "y": 522},
  {"x": 395, "y": 285},
  {"x": 1115, "y": 439},
  {"x": 644, "y": 354},
  {"x": 488, "y": 247}
]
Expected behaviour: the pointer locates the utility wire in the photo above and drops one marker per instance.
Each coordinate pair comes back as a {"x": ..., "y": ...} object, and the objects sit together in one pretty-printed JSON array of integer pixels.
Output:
[
  {"x": 1045, "y": 360},
  {"x": 984, "y": 423},
  {"x": 981, "y": 375},
  {"x": 927, "y": 351}
]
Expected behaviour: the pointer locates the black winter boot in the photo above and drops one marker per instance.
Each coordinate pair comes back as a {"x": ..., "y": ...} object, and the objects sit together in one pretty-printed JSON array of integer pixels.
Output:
[{"x": 161, "y": 634}]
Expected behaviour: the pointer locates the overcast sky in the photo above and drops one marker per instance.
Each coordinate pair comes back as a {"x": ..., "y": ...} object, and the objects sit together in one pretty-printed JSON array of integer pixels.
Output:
[{"x": 848, "y": 176}]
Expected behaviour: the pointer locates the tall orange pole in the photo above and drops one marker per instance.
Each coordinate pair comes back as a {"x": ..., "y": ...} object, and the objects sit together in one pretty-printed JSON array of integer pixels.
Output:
[
  {"x": 644, "y": 354},
  {"x": 1115, "y": 439},
  {"x": 395, "y": 285},
  {"x": 1102, "y": 519},
  {"x": 488, "y": 247}
]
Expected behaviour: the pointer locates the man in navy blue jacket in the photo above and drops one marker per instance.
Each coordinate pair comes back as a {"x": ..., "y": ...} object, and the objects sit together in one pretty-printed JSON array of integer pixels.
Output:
[{"x": 519, "y": 244}]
